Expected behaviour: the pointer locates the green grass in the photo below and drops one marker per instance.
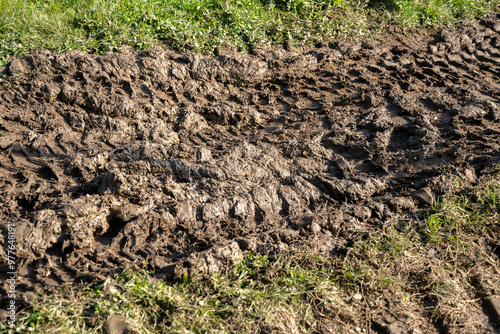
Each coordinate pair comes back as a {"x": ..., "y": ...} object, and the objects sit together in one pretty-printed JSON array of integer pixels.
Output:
[
  {"x": 282, "y": 296},
  {"x": 99, "y": 26},
  {"x": 428, "y": 13},
  {"x": 440, "y": 267}
]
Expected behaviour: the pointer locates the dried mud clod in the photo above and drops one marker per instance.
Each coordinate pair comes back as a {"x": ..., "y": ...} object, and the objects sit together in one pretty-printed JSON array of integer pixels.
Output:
[{"x": 186, "y": 162}]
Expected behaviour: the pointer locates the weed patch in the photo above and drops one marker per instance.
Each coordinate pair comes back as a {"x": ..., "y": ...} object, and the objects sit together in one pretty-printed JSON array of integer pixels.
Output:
[{"x": 446, "y": 262}]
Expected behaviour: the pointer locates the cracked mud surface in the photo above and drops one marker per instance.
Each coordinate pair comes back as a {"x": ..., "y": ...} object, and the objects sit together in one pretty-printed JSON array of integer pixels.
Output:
[{"x": 186, "y": 162}]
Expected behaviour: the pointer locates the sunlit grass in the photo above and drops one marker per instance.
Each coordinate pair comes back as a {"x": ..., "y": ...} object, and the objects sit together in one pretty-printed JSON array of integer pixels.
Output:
[{"x": 99, "y": 26}]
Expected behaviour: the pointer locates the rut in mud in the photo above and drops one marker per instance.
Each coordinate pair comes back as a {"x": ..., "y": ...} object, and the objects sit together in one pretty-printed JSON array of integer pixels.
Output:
[{"x": 185, "y": 162}]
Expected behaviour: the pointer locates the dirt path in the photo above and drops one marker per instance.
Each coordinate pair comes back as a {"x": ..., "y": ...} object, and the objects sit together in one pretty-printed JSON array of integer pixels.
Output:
[{"x": 186, "y": 162}]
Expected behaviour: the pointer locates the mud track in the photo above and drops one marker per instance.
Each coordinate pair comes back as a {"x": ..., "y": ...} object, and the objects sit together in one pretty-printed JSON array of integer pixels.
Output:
[{"x": 186, "y": 162}]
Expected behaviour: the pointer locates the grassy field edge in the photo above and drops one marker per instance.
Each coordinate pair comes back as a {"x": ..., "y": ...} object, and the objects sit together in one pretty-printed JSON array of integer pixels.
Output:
[{"x": 99, "y": 26}]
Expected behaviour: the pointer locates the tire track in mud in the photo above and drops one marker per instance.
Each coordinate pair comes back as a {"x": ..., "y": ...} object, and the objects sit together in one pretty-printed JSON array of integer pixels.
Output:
[{"x": 186, "y": 161}]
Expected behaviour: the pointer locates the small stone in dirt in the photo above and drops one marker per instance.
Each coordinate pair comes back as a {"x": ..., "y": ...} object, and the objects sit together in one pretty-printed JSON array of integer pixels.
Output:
[
  {"x": 128, "y": 211},
  {"x": 203, "y": 155},
  {"x": 3, "y": 316},
  {"x": 494, "y": 111},
  {"x": 343, "y": 166},
  {"x": 116, "y": 325},
  {"x": 401, "y": 203},
  {"x": 433, "y": 49},
  {"x": 67, "y": 94},
  {"x": 464, "y": 40},
  {"x": 214, "y": 211},
  {"x": 243, "y": 209},
  {"x": 185, "y": 212},
  {"x": 470, "y": 175},
  {"x": 246, "y": 244},
  {"x": 315, "y": 228},
  {"x": 496, "y": 27},
  {"x": 16, "y": 66},
  {"x": 424, "y": 196},
  {"x": 431, "y": 254},
  {"x": 9, "y": 140},
  {"x": 493, "y": 307},
  {"x": 362, "y": 212}
]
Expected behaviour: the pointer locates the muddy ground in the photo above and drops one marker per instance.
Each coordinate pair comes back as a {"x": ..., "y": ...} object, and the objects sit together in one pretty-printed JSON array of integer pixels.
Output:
[{"x": 185, "y": 162}]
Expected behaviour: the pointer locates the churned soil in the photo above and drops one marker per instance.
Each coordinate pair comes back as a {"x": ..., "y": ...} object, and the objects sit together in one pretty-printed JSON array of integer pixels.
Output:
[{"x": 186, "y": 162}]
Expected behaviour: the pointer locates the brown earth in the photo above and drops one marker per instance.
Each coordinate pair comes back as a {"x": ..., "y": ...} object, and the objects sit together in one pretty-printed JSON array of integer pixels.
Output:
[{"x": 185, "y": 162}]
